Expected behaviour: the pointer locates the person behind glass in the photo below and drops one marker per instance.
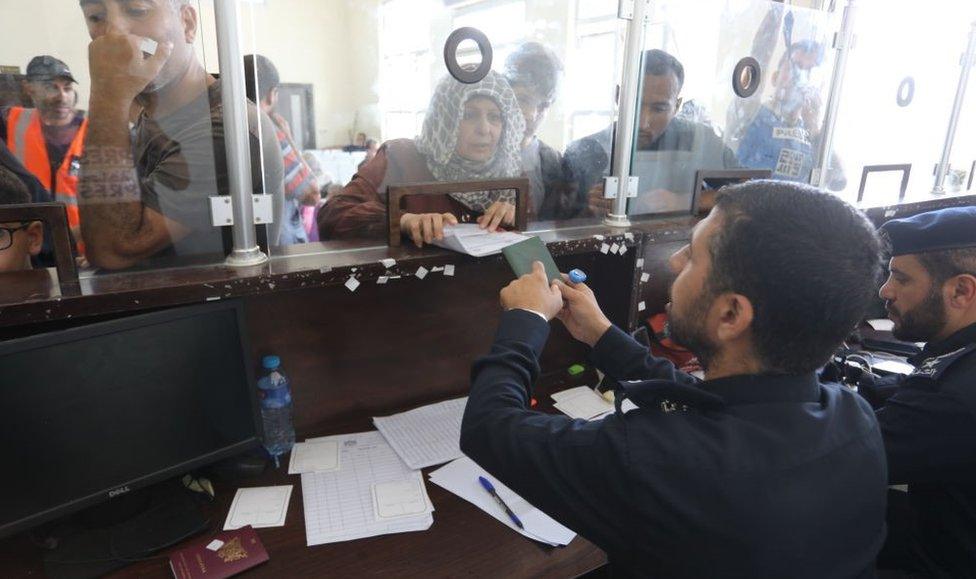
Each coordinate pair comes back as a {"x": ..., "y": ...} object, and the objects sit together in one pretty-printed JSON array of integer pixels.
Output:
[
  {"x": 928, "y": 418},
  {"x": 534, "y": 72},
  {"x": 19, "y": 241},
  {"x": 659, "y": 130},
  {"x": 49, "y": 138},
  {"x": 785, "y": 132},
  {"x": 759, "y": 470},
  {"x": 300, "y": 187},
  {"x": 371, "y": 149},
  {"x": 147, "y": 195},
  {"x": 471, "y": 132}
]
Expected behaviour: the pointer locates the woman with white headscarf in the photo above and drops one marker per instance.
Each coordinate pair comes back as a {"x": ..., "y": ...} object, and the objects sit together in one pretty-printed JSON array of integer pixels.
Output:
[{"x": 471, "y": 132}]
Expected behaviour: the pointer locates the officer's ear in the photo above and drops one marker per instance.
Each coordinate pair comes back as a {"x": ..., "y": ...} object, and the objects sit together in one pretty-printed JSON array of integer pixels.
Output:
[
  {"x": 188, "y": 17},
  {"x": 962, "y": 291},
  {"x": 734, "y": 313}
]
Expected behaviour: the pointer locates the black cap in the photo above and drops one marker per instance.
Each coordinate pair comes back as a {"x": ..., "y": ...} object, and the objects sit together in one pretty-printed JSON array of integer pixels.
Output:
[
  {"x": 48, "y": 68},
  {"x": 940, "y": 230}
]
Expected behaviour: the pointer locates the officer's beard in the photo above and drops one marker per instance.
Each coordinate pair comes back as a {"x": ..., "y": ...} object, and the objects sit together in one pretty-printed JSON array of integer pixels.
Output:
[
  {"x": 924, "y": 321},
  {"x": 688, "y": 328}
]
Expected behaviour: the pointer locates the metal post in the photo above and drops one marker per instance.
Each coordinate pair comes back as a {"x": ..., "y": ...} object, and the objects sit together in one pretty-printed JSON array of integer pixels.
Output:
[
  {"x": 236, "y": 137},
  {"x": 967, "y": 64},
  {"x": 627, "y": 112},
  {"x": 843, "y": 41}
]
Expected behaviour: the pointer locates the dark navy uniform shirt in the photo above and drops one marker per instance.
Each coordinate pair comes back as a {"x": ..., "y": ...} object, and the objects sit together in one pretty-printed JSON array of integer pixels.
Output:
[
  {"x": 929, "y": 429},
  {"x": 749, "y": 476}
]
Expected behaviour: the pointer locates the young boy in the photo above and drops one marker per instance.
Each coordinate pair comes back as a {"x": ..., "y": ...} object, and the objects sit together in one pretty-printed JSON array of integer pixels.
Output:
[{"x": 18, "y": 240}]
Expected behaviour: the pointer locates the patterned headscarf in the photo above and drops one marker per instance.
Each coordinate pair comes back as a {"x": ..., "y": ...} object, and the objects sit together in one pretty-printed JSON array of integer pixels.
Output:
[{"x": 438, "y": 142}]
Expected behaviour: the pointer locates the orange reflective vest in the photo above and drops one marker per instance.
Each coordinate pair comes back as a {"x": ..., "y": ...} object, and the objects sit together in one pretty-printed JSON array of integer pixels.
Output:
[{"x": 26, "y": 140}]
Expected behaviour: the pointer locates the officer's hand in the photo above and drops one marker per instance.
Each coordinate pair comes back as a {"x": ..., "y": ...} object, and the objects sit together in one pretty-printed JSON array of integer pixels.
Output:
[
  {"x": 499, "y": 213},
  {"x": 598, "y": 205},
  {"x": 581, "y": 314},
  {"x": 533, "y": 292},
  {"x": 425, "y": 227},
  {"x": 120, "y": 70}
]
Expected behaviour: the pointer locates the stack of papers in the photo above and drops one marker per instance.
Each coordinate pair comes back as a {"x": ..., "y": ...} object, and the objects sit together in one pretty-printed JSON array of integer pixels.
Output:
[
  {"x": 582, "y": 402},
  {"x": 461, "y": 478},
  {"x": 427, "y": 435},
  {"x": 470, "y": 239},
  {"x": 372, "y": 493}
]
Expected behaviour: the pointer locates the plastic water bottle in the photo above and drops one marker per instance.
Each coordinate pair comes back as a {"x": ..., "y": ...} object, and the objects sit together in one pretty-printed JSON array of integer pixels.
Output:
[{"x": 276, "y": 409}]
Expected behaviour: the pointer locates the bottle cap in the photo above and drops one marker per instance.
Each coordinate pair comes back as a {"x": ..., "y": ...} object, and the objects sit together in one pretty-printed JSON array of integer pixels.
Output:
[
  {"x": 270, "y": 362},
  {"x": 577, "y": 276}
]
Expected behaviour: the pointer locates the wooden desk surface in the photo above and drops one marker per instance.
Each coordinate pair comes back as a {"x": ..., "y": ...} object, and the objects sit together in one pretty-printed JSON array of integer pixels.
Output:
[{"x": 463, "y": 541}]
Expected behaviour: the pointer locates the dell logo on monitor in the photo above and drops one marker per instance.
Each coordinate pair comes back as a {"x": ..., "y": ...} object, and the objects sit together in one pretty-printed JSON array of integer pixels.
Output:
[{"x": 119, "y": 491}]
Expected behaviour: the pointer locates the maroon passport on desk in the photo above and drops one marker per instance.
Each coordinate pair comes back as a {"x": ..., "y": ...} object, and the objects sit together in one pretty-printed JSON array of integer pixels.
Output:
[{"x": 240, "y": 551}]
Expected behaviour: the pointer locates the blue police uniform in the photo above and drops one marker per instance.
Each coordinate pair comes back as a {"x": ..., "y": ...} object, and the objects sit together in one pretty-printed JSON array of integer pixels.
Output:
[
  {"x": 749, "y": 476},
  {"x": 929, "y": 427},
  {"x": 771, "y": 143}
]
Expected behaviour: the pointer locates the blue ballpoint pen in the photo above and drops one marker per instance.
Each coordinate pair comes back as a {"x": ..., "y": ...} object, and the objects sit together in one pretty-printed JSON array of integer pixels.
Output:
[{"x": 494, "y": 494}]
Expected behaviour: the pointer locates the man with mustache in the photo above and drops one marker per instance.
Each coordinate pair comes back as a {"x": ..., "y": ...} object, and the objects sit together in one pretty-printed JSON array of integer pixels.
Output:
[
  {"x": 929, "y": 423},
  {"x": 48, "y": 139},
  {"x": 760, "y": 470}
]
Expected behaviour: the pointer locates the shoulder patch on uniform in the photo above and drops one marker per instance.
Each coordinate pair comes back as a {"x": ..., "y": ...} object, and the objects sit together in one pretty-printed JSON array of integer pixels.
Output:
[{"x": 935, "y": 366}]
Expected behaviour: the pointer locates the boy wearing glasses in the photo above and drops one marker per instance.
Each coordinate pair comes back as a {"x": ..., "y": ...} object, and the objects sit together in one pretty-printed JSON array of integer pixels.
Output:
[{"x": 19, "y": 241}]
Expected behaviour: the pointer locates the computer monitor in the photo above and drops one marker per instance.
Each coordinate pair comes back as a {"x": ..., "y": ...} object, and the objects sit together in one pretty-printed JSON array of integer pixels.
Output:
[{"x": 95, "y": 412}]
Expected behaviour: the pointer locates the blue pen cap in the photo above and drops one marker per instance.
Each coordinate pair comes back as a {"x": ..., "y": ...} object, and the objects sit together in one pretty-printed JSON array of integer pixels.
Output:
[{"x": 577, "y": 276}]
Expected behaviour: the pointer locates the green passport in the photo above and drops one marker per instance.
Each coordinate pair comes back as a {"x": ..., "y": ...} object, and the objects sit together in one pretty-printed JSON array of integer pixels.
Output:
[{"x": 521, "y": 255}]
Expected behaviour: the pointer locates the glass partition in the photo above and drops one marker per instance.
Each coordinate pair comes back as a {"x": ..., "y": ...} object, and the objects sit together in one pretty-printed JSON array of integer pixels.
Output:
[
  {"x": 900, "y": 83},
  {"x": 119, "y": 118},
  {"x": 365, "y": 84},
  {"x": 728, "y": 85}
]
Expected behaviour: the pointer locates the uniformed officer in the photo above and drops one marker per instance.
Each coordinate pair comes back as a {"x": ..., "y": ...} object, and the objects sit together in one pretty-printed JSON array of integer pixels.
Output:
[
  {"x": 929, "y": 424},
  {"x": 758, "y": 471}
]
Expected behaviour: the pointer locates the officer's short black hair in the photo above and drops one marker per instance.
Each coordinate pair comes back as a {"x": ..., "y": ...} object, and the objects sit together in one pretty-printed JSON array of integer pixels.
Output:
[
  {"x": 659, "y": 63},
  {"x": 944, "y": 265},
  {"x": 267, "y": 77},
  {"x": 12, "y": 189},
  {"x": 807, "y": 261}
]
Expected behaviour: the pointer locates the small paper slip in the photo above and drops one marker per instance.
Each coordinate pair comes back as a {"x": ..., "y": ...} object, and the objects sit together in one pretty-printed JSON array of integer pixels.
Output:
[
  {"x": 400, "y": 498},
  {"x": 314, "y": 455},
  {"x": 882, "y": 325},
  {"x": 894, "y": 367},
  {"x": 582, "y": 402},
  {"x": 470, "y": 239},
  {"x": 461, "y": 478},
  {"x": 427, "y": 435},
  {"x": 259, "y": 507},
  {"x": 341, "y": 505}
]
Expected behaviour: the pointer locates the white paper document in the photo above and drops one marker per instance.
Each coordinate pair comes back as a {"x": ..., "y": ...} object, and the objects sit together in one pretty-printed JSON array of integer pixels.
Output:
[
  {"x": 400, "y": 498},
  {"x": 314, "y": 455},
  {"x": 461, "y": 478},
  {"x": 259, "y": 507},
  {"x": 470, "y": 239},
  {"x": 341, "y": 505},
  {"x": 582, "y": 402},
  {"x": 427, "y": 435}
]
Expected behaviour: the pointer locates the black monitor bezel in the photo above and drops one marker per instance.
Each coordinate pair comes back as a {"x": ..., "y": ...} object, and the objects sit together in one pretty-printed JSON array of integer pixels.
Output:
[{"x": 114, "y": 326}]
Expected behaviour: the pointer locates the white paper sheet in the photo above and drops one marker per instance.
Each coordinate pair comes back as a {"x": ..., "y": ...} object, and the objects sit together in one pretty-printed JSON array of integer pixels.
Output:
[
  {"x": 461, "y": 478},
  {"x": 400, "y": 498},
  {"x": 314, "y": 455},
  {"x": 259, "y": 507},
  {"x": 427, "y": 435},
  {"x": 470, "y": 239},
  {"x": 339, "y": 505},
  {"x": 582, "y": 402}
]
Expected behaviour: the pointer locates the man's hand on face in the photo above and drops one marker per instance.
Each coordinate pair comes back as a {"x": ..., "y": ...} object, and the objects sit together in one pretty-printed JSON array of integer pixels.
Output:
[
  {"x": 582, "y": 315},
  {"x": 533, "y": 292},
  {"x": 119, "y": 68}
]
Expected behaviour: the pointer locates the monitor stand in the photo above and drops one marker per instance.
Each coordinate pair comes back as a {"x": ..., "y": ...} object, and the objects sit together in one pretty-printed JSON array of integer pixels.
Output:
[{"x": 116, "y": 534}]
